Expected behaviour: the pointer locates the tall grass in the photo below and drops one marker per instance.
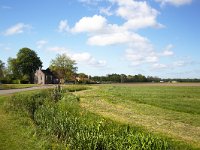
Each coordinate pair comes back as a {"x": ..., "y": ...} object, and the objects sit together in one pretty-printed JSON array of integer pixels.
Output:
[{"x": 75, "y": 128}]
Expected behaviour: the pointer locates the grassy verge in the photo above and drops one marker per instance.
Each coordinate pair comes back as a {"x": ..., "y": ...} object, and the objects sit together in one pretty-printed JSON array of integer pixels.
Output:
[
  {"x": 15, "y": 132},
  {"x": 16, "y": 86}
]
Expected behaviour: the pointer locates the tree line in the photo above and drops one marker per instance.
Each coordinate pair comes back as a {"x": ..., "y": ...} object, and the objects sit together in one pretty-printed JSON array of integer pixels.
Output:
[
  {"x": 122, "y": 78},
  {"x": 22, "y": 70}
]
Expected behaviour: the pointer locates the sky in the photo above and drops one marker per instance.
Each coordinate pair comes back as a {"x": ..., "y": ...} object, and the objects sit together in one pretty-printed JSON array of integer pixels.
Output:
[{"x": 150, "y": 37}]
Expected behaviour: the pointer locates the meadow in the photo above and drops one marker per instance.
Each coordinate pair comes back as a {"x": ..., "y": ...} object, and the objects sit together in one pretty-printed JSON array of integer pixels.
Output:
[
  {"x": 172, "y": 110},
  {"x": 107, "y": 117}
]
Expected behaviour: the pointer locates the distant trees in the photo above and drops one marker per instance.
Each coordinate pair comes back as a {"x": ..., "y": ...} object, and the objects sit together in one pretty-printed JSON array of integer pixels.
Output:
[
  {"x": 122, "y": 78},
  {"x": 2, "y": 67},
  {"x": 83, "y": 78},
  {"x": 63, "y": 67}
]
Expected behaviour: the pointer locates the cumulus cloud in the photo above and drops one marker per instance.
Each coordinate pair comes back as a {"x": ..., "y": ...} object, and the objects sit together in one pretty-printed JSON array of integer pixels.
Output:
[
  {"x": 17, "y": 29},
  {"x": 174, "y": 2},
  {"x": 90, "y": 24},
  {"x": 88, "y": 59},
  {"x": 63, "y": 26},
  {"x": 40, "y": 44},
  {"x": 136, "y": 15},
  {"x": 115, "y": 38},
  {"x": 82, "y": 58}
]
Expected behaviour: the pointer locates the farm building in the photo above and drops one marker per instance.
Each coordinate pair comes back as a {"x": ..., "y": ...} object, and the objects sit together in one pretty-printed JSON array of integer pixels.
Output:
[{"x": 45, "y": 77}]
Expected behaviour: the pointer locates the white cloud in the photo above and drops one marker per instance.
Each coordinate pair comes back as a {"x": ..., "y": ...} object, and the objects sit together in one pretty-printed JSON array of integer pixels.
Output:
[
  {"x": 88, "y": 59},
  {"x": 63, "y": 26},
  {"x": 138, "y": 57},
  {"x": 168, "y": 51},
  {"x": 138, "y": 14},
  {"x": 174, "y": 2},
  {"x": 82, "y": 58},
  {"x": 115, "y": 38},
  {"x": 106, "y": 11},
  {"x": 17, "y": 29},
  {"x": 90, "y": 24},
  {"x": 40, "y": 44}
]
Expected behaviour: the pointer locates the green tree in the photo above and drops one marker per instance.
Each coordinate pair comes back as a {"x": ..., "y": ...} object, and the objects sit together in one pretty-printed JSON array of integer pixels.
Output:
[
  {"x": 83, "y": 78},
  {"x": 27, "y": 62},
  {"x": 63, "y": 67},
  {"x": 13, "y": 70},
  {"x": 2, "y": 67}
]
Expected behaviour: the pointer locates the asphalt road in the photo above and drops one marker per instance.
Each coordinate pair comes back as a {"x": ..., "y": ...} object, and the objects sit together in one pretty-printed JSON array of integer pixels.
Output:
[{"x": 2, "y": 92}]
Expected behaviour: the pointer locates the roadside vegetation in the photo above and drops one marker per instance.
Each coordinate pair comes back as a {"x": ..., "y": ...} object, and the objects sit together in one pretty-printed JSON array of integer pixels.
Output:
[{"x": 16, "y": 86}]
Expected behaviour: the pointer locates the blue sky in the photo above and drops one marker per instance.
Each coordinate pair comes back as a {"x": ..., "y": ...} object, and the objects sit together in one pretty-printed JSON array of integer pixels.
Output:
[{"x": 153, "y": 38}]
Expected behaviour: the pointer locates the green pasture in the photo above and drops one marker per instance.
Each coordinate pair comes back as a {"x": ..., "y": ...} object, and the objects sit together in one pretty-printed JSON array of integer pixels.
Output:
[{"x": 172, "y": 111}]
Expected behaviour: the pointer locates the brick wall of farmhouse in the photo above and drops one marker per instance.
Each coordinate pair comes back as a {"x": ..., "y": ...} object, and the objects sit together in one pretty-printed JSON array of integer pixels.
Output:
[{"x": 39, "y": 77}]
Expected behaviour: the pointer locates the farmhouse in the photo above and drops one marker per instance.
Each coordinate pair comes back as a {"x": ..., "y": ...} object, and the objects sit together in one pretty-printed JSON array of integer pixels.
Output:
[{"x": 45, "y": 77}]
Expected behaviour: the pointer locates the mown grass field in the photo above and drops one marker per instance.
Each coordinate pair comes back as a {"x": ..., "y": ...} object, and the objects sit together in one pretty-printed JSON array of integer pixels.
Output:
[
  {"x": 172, "y": 110},
  {"x": 132, "y": 116}
]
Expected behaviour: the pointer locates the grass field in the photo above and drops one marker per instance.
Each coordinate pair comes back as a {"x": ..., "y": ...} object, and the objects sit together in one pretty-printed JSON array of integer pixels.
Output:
[
  {"x": 124, "y": 116},
  {"x": 170, "y": 110}
]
